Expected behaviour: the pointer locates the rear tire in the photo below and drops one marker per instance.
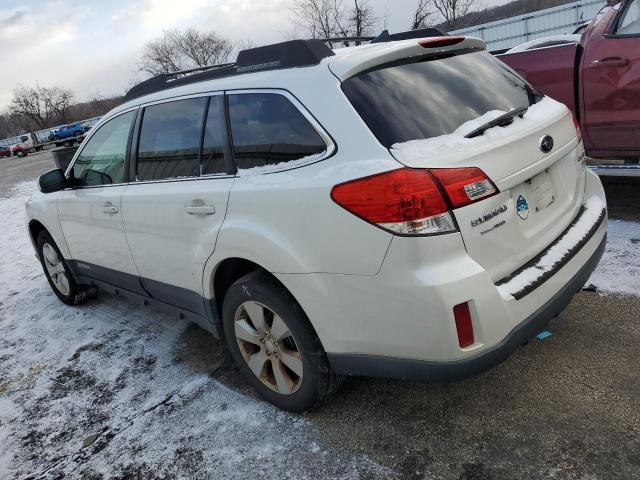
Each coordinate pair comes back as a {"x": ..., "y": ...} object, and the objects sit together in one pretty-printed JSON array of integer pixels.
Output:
[
  {"x": 274, "y": 344},
  {"x": 58, "y": 274}
]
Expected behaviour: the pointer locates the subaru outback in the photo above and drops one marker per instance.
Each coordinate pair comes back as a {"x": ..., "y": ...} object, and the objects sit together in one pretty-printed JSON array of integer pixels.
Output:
[{"x": 405, "y": 208}]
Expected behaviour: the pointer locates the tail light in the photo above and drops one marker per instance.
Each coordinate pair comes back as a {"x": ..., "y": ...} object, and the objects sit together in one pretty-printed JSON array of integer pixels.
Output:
[
  {"x": 412, "y": 201},
  {"x": 464, "y": 185},
  {"x": 440, "y": 42},
  {"x": 576, "y": 124},
  {"x": 464, "y": 325}
]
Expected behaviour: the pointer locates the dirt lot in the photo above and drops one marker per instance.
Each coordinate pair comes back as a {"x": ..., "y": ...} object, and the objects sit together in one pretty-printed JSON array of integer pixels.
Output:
[{"x": 115, "y": 390}]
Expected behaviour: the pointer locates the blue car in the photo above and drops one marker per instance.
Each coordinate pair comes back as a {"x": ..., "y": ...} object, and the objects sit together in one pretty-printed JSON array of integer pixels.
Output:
[{"x": 67, "y": 131}]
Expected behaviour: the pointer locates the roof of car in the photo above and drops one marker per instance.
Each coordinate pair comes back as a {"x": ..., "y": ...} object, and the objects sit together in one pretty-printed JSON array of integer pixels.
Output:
[
  {"x": 287, "y": 57},
  {"x": 280, "y": 56}
]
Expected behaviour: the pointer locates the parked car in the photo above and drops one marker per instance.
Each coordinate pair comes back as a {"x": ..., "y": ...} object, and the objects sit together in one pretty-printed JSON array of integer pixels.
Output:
[
  {"x": 596, "y": 78},
  {"x": 67, "y": 132},
  {"x": 545, "y": 42},
  {"x": 5, "y": 151},
  {"x": 378, "y": 211}
]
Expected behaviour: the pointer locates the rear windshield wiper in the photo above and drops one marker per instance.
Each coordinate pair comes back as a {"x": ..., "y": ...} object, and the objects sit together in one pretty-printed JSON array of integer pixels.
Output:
[{"x": 502, "y": 121}]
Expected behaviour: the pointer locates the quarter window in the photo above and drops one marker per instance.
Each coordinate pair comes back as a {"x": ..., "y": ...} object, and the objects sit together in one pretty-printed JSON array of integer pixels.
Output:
[
  {"x": 101, "y": 161},
  {"x": 267, "y": 129},
  {"x": 630, "y": 24},
  {"x": 169, "y": 145}
]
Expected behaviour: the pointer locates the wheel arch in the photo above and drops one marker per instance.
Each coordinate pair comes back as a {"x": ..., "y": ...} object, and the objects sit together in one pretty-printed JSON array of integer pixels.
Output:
[
  {"x": 35, "y": 228},
  {"x": 231, "y": 269}
]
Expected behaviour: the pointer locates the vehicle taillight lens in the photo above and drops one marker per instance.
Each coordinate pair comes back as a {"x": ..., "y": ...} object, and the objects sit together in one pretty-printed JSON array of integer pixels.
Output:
[
  {"x": 411, "y": 201},
  {"x": 576, "y": 124},
  {"x": 440, "y": 41},
  {"x": 405, "y": 201},
  {"x": 464, "y": 185},
  {"x": 464, "y": 325}
]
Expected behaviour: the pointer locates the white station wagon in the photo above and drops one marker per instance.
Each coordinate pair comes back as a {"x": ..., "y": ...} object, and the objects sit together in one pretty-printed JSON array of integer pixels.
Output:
[{"x": 406, "y": 208}]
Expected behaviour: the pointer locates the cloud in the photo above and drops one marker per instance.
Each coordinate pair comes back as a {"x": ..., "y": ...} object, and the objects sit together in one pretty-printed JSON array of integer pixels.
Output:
[{"x": 158, "y": 14}]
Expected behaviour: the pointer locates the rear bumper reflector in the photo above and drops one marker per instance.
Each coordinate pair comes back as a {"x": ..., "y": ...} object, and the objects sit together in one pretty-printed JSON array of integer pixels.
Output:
[{"x": 464, "y": 325}]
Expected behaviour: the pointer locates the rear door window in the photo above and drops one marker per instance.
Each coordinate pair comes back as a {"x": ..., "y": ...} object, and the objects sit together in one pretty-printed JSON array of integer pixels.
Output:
[
  {"x": 267, "y": 129},
  {"x": 169, "y": 145},
  {"x": 433, "y": 97}
]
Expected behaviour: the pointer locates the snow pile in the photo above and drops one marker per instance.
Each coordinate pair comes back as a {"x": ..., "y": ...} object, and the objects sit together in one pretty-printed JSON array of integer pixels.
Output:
[
  {"x": 115, "y": 389},
  {"x": 593, "y": 209},
  {"x": 619, "y": 269},
  {"x": 414, "y": 152}
]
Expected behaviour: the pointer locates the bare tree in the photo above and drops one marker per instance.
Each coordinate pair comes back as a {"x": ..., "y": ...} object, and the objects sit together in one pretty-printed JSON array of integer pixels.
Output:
[
  {"x": 453, "y": 10},
  {"x": 331, "y": 18},
  {"x": 58, "y": 101},
  {"x": 39, "y": 106},
  {"x": 362, "y": 18},
  {"x": 10, "y": 125},
  {"x": 422, "y": 12},
  {"x": 183, "y": 49},
  {"x": 318, "y": 17}
]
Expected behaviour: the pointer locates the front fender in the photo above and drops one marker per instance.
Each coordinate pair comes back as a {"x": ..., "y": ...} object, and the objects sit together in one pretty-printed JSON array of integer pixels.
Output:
[{"x": 43, "y": 208}]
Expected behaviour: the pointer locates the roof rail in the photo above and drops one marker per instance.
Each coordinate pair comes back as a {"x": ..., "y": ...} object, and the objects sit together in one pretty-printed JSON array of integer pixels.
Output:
[{"x": 293, "y": 53}]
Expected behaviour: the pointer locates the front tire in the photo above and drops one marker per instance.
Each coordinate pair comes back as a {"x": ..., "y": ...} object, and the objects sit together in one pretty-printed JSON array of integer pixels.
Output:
[
  {"x": 58, "y": 273},
  {"x": 272, "y": 341}
]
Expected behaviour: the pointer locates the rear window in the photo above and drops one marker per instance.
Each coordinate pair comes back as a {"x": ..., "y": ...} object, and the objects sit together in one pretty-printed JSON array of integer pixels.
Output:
[
  {"x": 267, "y": 129},
  {"x": 430, "y": 98}
]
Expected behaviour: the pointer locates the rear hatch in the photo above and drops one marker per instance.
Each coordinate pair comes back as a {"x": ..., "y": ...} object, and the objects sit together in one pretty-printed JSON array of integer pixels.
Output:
[{"x": 422, "y": 109}]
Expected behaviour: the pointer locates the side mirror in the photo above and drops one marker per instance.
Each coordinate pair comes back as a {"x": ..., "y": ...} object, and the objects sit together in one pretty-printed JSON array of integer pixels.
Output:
[{"x": 52, "y": 181}]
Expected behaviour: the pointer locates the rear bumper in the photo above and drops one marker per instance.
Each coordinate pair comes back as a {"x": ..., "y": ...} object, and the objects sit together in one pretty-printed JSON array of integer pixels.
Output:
[
  {"x": 400, "y": 322},
  {"x": 391, "y": 367}
]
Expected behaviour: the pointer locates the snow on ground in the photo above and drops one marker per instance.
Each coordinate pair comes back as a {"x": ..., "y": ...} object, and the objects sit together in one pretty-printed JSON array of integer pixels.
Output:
[
  {"x": 619, "y": 269},
  {"x": 118, "y": 390}
]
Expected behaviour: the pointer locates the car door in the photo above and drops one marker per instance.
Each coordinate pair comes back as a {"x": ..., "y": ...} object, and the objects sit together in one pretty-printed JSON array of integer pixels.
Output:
[
  {"x": 611, "y": 82},
  {"x": 90, "y": 212},
  {"x": 173, "y": 210}
]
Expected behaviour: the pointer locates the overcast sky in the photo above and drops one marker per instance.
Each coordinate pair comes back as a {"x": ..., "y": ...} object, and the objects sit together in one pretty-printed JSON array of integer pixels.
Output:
[{"x": 93, "y": 46}]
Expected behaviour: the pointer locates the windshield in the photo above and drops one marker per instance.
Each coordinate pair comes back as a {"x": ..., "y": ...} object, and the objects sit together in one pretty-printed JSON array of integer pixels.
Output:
[{"x": 434, "y": 97}]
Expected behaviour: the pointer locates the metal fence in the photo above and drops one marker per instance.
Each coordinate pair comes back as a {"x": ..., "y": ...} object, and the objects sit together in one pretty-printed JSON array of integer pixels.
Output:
[
  {"x": 43, "y": 135},
  {"x": 510, "y": 32}
]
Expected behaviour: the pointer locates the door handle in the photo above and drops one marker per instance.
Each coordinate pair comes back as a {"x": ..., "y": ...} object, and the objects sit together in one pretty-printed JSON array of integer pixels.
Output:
[
  {"x": 110, "y": 208},
  {"x": 199, "y": 207},
  {"x": 611, "y": 62}
]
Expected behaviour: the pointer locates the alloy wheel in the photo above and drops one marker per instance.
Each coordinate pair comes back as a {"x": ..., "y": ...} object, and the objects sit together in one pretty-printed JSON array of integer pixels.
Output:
[
  {"x": 55, "y": 267},
  {"x": 268, "y": 347}
]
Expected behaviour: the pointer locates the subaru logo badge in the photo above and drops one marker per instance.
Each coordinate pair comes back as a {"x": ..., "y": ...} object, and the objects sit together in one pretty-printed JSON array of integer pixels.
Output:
[{"x": 546, "y": 144}]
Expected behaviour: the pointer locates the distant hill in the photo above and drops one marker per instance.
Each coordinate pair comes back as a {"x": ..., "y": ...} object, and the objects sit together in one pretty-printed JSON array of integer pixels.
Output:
[{"x": 512, "y": 9}]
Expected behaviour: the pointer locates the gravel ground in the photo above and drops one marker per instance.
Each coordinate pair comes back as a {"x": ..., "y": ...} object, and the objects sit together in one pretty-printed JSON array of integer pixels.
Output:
[{"x": 114, "y": 390}]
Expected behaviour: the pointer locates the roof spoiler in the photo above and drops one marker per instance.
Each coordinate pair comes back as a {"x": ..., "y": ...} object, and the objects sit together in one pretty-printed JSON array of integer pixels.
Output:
[{"x": 385, "y": 36}]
